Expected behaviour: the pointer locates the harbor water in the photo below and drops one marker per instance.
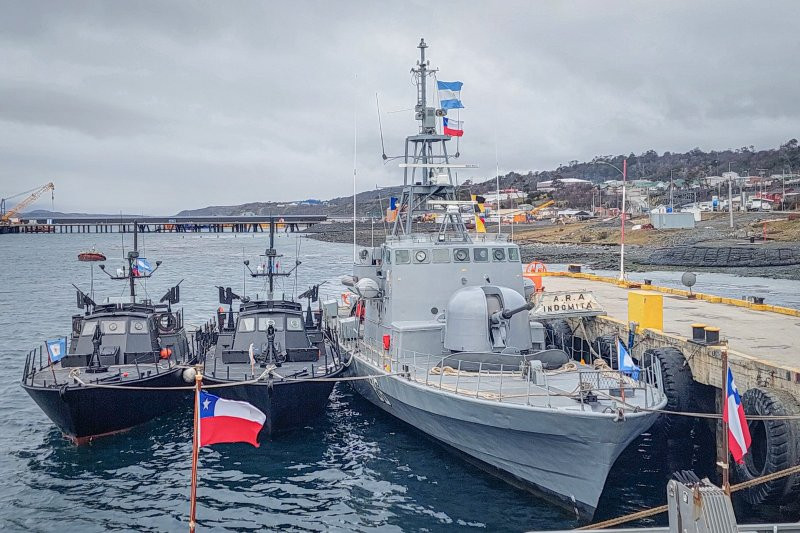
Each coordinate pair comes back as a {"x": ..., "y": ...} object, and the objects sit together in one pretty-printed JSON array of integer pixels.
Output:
[{"x": 353, "y": 469}]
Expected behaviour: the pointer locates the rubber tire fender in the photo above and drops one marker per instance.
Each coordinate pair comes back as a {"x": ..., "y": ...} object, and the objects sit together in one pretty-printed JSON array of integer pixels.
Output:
[
  {"x": 780, "y": 451},
  {"x": 606, "y": 346},
  {"x": 677, "y": 383},
  {"x": 558, "y": 334}
]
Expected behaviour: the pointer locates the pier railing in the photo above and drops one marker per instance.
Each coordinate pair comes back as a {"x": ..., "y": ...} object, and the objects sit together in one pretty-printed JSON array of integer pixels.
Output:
[{"x": 517, "y": 383}]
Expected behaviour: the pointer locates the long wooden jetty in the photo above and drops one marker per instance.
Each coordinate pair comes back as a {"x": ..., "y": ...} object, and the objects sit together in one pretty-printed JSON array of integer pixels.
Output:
[{"x": 175, "y": 224}]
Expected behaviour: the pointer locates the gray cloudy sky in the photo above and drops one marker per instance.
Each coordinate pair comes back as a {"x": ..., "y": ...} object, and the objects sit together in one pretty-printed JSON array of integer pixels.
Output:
[{"x": 154, "y": 107}]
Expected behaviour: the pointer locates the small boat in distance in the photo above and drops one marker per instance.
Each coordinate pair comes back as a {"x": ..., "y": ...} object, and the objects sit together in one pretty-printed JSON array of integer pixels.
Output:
[{"x": 91, "y": 255}]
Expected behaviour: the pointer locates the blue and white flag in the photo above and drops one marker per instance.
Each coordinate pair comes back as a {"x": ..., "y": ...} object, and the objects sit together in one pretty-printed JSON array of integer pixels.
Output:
[
  {"x": 450, "y": 94},
  {"x": 142, "y": 267},
  {"x": 56, "y": 349},
  {"x": 625, "y": 361}
]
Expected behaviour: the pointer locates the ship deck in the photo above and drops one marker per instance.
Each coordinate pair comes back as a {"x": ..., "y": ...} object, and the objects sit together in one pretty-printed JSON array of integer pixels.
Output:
[
  {"x": 215, "y": 368},
  {"x": 557, "y": 389}
]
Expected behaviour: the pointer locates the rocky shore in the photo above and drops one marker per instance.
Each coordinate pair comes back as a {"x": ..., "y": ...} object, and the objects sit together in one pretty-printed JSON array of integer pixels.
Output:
[{"x": 711, "y": 247}]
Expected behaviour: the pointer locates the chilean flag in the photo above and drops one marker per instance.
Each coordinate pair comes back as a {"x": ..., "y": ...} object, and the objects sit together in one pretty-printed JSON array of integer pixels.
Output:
[
  {"x": 228, "y": 421},
  {"x": 453, "y": 127},
  {"x": 733, "y": 415}
]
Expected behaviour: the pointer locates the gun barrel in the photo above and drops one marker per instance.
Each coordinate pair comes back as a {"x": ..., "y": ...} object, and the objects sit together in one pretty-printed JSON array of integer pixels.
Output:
[{"x": 508, "y": 313}]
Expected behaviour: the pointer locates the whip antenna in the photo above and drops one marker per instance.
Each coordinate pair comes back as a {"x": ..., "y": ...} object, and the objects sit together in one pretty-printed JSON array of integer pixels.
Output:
[{"x": 380, "y": 127}]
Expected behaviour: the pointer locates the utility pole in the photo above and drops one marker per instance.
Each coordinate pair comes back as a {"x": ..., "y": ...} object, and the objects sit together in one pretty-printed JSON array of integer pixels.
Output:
[
  {"x": 730, "y": 199},
  {"x": 671, "y": 193},
  {"x": 622, "y": 217}
]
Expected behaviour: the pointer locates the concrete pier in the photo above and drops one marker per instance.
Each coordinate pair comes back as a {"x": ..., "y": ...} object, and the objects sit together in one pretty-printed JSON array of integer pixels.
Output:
[
  {"x": 125, "y": 224},
  {"x": 762, "y": 340}
]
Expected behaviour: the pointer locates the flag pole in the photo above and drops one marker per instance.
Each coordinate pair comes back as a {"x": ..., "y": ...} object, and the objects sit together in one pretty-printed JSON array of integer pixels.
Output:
[
  {"x": 724, "y": 464},
  {"x": 198, "y": 381}
]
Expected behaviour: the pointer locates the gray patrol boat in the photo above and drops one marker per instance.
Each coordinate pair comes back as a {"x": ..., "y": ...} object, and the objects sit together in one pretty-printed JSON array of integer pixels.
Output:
[{"x": 443, "y": 339}]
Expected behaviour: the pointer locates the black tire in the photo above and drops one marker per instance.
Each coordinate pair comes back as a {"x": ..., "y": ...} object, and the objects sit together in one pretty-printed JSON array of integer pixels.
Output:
[
  {"x": 775, "y": 446},
  {"x": 678, "y": 384},
  {"x": 559, "y": 335},
  {"x": 606, "y": 347}
]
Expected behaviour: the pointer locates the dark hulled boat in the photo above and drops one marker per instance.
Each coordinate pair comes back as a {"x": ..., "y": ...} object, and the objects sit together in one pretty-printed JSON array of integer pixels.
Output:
[
  {"x": 272, "y": 354},
  {"x": 123, "y": 360}
]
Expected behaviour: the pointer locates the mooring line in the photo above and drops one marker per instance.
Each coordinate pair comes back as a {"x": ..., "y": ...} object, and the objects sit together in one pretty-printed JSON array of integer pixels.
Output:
[
  {"x": 658, "y": 510},
  {"x": 232, "y": 384}
]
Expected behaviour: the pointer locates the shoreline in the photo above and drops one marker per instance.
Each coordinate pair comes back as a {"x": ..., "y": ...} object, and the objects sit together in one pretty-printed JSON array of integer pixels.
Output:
[{"x": 605, "y": 256}]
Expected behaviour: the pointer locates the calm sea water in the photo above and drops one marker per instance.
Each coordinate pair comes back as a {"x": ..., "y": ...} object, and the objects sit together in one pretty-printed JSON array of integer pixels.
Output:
[{"x": 354, "y": 469}]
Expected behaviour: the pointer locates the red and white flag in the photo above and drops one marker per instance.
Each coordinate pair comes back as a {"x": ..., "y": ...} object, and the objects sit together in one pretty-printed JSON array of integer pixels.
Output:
[
  {"x": 733, "y": 415},
  {"x": 228, "y": 421},
  {"x": 453, "y": 127}
]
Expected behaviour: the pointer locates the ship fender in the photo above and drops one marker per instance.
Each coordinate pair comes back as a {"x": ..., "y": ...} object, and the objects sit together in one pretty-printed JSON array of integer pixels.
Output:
[
  {"x": 606, "y": 347},
  {"x": 678, "y": 384},
  {"x": 558, "y": 334},
  {"x": 775, "y": 446}
]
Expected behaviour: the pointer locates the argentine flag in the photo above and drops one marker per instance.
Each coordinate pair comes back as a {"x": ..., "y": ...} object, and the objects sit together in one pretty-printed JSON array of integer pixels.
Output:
[
  {"x": 625, "y": 361},
  {"x": 450, "y": 94}
]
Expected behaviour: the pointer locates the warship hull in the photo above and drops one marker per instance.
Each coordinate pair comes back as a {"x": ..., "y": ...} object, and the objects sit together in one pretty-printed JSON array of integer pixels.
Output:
[
  {"x": 288, "y": 405},
  {"x": 84, "y": 414},
  {"x": 562, "y": 458}
]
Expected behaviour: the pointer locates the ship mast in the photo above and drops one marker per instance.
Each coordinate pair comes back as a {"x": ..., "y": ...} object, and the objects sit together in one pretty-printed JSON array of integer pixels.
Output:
[
  {"x": 271, "y": 254},
  {"x": 427, "y": 177}
]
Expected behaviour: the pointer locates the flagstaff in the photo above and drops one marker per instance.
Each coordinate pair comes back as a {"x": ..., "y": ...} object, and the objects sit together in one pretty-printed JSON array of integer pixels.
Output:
[{"x": 198, "y": 383}]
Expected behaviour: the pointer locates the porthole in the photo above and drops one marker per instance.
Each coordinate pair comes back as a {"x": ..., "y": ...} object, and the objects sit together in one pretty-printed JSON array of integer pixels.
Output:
[
  {"x": 461, "y": 255},
  {"x": 420, "y": 256}
]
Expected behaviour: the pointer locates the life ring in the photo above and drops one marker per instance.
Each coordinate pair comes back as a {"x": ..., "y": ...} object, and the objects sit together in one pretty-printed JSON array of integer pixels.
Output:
[
  {"x": 535, "y": 267},
  {"x": 775, "y": 446},
  {"x": 533, "y": 271},
  {"x": 166, "y": 322}
]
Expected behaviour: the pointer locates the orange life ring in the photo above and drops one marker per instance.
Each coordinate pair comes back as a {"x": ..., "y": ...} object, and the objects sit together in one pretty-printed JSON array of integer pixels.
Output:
[{"x": 533, "y": 271}]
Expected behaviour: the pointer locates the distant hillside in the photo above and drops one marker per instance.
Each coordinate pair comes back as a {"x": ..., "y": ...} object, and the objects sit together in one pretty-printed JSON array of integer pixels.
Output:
[{"x": 690, "y": 166}]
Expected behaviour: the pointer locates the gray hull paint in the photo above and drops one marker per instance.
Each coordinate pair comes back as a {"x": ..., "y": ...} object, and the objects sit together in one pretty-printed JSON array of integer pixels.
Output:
[{"x": 547, "y": 451}]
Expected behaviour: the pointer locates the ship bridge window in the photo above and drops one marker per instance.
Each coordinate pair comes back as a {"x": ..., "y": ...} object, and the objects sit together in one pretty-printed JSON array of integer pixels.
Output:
[
  {"x": 247, "y": 324},
  {"x": 139, "y": 326},
  {"x": 513, "y": 254},
  {"x": 498, "y": 254},
  {"x": 481, "y": 255},
  {"x": 461, "y": 255},
  {"x": 402, "y": 256},
  {"x": 441, "y": 255},
  {"x": 112, "y": 327},
  {"x": 420, "y": 256},
  {"x": 264, "y": 322},
  {"x": 294, "y": 323},
  {"x": 89, "y": 327}
]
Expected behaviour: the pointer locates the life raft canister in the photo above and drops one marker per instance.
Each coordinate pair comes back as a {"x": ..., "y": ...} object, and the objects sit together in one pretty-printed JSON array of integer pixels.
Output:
[{"x": 533, "y": 271}]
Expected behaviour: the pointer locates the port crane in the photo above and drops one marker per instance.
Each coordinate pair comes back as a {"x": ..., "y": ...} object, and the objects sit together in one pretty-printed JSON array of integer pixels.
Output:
[{"x": 33, "y": 195}]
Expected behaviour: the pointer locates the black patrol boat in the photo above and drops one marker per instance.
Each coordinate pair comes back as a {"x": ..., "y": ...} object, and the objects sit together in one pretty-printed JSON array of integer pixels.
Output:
[
  {"x": 270, "y": 352},
  {"x": 123, "y": 360}
]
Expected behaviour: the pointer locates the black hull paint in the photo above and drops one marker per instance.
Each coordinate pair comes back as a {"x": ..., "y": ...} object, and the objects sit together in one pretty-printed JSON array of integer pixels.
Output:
[
  {"x": 287, "y": 404},
  {"x": 86, "y": 413}
]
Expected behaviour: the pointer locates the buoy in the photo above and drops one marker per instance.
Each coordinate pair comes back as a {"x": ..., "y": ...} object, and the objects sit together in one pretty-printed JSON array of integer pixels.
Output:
[
  {"x": 189, "y": 374},
  {"x": 165, "y": 353}
]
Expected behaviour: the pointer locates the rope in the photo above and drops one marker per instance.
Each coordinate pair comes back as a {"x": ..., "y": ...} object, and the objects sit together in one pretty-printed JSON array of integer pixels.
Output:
[
  {"x": 233, "y": 384},
  {"x": 658, "y": 510}
]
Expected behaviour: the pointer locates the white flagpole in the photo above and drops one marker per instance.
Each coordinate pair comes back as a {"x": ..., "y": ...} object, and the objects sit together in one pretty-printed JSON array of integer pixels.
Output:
[
  {"x": 724, "y": 463},
  {"x": 355, "y": 166},
  {"x": 198, "y": 381}
]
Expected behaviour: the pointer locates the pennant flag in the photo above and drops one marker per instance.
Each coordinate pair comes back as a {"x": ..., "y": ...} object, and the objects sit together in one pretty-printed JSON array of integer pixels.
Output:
[
  {"x": 625, "y": 361},
  {"x": 56, "y": 349},
  {"x": 480, "y": 222},
  {"x": 142, "y": 267},
  {"x": 228, "y": 421},
  {"x": 733, "y": 415},
  {"x": 453, "y": 127},
  {"x": 450, "y": 94}
]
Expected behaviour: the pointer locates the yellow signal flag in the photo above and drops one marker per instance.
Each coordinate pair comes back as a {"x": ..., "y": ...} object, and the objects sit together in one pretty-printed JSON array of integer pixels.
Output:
[{"x": 480, "y": 223}]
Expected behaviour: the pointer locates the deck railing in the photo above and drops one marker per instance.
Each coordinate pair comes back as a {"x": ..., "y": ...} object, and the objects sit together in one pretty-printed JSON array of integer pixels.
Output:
[{"x": 513, "y": 383}]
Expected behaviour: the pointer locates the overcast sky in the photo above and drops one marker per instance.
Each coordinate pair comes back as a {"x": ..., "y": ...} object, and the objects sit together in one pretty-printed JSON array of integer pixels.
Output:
[{"x": 157, "y": 107}]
